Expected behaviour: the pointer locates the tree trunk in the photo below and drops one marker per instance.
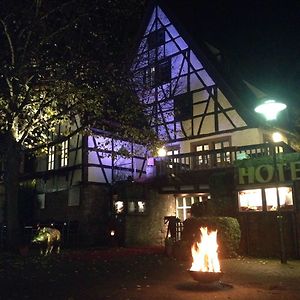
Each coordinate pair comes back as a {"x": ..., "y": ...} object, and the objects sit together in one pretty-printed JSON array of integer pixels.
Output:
[{"x": 11, "y": 183}]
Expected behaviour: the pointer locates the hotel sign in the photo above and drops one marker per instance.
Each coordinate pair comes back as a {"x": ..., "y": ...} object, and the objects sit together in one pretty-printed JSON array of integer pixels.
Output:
[
  {"x": 261, "y": 170},
  {"x": 265, "y": 173}
]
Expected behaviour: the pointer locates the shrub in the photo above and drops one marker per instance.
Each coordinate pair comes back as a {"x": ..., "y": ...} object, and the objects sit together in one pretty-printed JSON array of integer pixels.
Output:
[{"x": 229, "y": 234}]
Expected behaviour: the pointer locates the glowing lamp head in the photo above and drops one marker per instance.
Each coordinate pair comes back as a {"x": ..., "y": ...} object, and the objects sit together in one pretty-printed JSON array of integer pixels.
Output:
[
  {"x": 270, "y": 109},
  {"x": 277, "y": 137},
  {"x": 162, "y": 152}
]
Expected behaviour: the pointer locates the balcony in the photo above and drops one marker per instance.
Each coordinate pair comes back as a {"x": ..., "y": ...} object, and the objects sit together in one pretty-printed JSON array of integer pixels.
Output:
[{"x": 211, "y": 159}]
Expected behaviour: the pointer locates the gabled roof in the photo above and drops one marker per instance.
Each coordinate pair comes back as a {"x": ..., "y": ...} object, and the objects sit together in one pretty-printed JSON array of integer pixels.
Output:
[{"x": 188, "y": 17}]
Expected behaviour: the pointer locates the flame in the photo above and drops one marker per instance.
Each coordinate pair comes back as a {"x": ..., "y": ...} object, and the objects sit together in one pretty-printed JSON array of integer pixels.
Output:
[{"x": 205, "y": 252}]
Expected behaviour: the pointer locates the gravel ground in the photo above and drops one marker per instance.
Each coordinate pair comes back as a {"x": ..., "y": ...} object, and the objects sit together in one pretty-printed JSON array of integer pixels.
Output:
[{"x": 128, "y": 274}]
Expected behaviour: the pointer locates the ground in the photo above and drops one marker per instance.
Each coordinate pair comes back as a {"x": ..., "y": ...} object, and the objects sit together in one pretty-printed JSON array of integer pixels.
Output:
[{"x": 139, "y": 273}]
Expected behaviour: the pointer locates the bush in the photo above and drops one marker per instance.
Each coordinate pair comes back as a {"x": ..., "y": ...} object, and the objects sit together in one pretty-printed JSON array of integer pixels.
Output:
[{"x": 229, "y": 234}]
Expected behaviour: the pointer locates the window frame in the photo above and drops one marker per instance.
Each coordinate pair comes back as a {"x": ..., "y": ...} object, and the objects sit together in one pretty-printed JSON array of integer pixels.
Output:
[
  {"x": 51, "y": 158},
  {"x": 265, "y": 209},
  {"x": 157, "y": 74},
  {"x": 183, "y": 107},
  {"x": 136, "y": 207},
  {"x": 186, "y": 207},
  {"x": 212, "y": 160},
  {"x": 64, "y": 157},
  {"x": 156, "y": 38}
]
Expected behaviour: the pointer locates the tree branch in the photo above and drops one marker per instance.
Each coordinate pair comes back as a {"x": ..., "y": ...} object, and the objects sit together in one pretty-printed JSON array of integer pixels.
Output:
[{"x": 12, "y": 52}]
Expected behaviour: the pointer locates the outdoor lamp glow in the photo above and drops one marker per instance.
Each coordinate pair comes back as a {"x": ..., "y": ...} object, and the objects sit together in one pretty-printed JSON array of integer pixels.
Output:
[
  {"x": 270, "y": 109},
  {"x": 277, "y": 137},
  {"x": 162, "y": 152}
]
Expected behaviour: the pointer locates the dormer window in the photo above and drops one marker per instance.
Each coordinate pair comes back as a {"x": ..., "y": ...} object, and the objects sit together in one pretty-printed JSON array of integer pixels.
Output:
[{"x": 156, "y": 38}]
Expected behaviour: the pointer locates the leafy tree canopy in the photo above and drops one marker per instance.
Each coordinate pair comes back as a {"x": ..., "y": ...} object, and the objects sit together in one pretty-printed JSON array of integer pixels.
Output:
[{"x": 61, "y": 59}]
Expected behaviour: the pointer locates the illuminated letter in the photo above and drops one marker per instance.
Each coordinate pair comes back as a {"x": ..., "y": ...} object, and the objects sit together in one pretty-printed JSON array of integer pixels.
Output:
[
  {"x": 270, "y": 173},
  {"x": 295, "y": 167},
  {"x": 246, "y": 172},
  {"x": 280, "y": 172}
]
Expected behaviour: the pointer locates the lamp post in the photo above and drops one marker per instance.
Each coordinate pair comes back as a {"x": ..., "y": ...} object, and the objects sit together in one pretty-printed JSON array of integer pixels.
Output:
[{"x": 270, "y": 109}]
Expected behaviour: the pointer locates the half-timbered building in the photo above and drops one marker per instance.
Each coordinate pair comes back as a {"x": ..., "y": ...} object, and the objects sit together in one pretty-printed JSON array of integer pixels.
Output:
[{"x": 205, "y": 115}]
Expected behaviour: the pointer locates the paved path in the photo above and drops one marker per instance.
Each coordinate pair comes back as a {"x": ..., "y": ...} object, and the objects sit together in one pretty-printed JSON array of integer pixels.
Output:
[{"x": 131, "y": 274}]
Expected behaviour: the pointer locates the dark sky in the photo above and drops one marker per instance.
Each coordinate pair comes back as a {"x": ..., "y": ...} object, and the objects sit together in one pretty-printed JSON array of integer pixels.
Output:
[{"x": 261, "y": 39}]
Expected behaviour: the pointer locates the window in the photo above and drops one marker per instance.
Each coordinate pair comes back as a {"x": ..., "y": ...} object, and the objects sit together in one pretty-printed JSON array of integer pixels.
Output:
[
  {"x": 250, "y": 200},
  {"x": 64, "y": 153},
  {"x": 156, "y": 38},
  {"x": 118, "y": 207},
  {"x": 41, "y": 200},
  {"x": 265, "y": 199},
  {"x": 212, "y": 159},
  {"x": 171, "y": 152},
  {"x": 136, "y": 207},
  {"x": 184, "y": 204},
  {"x": 157, "y": 75},
  {"x": 74, "y": 196},
  {"x": 268, "y": 139},
  {"x": 163, "y": 72},
  {"x": 51, "y": 157},
  {"x": 223, "y": 156},
  {"x": 202, "y": 159},
  {"x": 285, "y": 198},
  {"x": 183, "y": 107},
  {"x": 149, "y": 76}
]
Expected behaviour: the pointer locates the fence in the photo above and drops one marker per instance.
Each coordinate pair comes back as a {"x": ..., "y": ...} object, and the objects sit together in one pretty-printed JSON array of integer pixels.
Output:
[{"x": 174, "y": 228}]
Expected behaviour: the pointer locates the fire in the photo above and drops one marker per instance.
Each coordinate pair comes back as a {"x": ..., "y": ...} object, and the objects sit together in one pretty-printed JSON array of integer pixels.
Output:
[{"x": 205, "y": 252}]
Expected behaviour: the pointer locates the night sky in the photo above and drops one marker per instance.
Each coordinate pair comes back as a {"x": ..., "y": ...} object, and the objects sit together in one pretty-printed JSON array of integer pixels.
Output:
[{"x": 259, "y": 38}]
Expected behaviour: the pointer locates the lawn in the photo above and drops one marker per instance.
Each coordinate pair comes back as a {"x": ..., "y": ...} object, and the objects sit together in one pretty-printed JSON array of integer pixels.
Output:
[{"x": 139, "y": 273}]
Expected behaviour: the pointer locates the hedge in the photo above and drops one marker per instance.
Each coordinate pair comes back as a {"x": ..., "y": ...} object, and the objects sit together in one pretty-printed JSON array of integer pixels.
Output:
[{"x": 228, "y": 236}]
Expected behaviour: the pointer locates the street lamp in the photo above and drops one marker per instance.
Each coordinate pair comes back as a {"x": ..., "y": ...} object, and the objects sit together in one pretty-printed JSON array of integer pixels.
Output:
[{"x": 270, "y": 109}]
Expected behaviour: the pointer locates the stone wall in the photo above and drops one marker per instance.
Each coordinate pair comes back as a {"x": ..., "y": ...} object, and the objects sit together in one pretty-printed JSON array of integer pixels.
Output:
[
  {"x": 94, "y": 213},
  {"x": 149, "y": 229},
  {"x": 91, "y": 213}
]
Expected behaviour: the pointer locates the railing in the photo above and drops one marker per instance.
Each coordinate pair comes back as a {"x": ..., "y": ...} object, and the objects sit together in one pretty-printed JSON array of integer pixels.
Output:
[
  {"x": 220, "y": 158},
  {"x": 174, "y": 228}
]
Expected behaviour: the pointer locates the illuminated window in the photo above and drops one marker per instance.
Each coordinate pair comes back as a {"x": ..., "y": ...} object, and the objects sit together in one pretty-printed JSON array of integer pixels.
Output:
[
  {"x": 64, "y": 153},
  {"x": 265, "y": 199},
  {"x": 51, "y": 157},
  {"x": 250, "y": 200},
  {"x": 285, "y": 198},
  {"x": 171, "y": 152},
  {"x": 119, "y": 207},
  {"x": 223, "y": 156},
  {"x": 202, "y": 159},
  {"x": 141, "y": 206},
  {"x": 184, "y": 204},
  {"x": 136, "y": 207}
]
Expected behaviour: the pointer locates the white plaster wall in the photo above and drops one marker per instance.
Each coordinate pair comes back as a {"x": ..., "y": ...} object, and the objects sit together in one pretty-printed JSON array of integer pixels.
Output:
[{"x": 239, "y": 138}]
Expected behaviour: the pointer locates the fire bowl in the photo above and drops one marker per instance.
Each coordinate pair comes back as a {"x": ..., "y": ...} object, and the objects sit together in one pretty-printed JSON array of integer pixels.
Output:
[{"x": 206, "y": 277}]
